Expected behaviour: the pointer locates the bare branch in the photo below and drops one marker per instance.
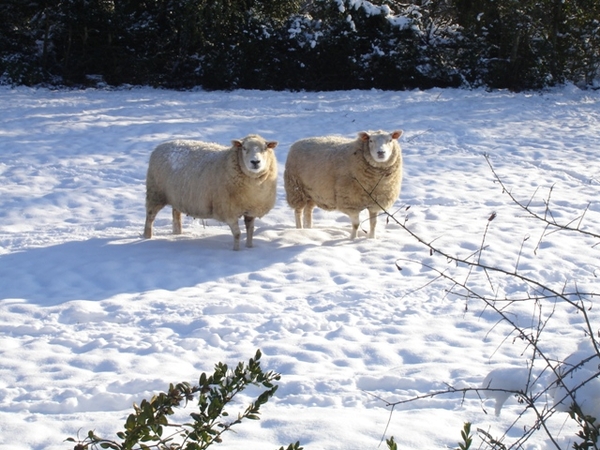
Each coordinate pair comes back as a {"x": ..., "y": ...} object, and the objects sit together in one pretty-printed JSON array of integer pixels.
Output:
[
  {"x": 539, "y": 293},
  {"x": 547, "y": 212}
]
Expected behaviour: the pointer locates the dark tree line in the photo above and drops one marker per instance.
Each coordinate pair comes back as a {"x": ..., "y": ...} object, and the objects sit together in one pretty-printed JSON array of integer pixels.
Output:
[{"x": 301, "y": 44}]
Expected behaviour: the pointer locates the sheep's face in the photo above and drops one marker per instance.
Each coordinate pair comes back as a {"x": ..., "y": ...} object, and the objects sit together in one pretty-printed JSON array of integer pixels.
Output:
[
  {"x": 255, "y": 153},
  {"x": 381, "y": 144}
]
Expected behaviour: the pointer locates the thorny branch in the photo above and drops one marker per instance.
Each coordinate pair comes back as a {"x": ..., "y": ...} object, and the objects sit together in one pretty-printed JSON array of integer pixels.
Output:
[
  {"x": 547, "y": 218},
  {"x": 540, "y": 291}
]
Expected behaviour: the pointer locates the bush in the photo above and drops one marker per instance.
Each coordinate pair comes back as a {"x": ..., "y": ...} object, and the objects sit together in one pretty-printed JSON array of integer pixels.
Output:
[
  {"x": 146, "y": 427},
  {"x": 293, "y": 44}
]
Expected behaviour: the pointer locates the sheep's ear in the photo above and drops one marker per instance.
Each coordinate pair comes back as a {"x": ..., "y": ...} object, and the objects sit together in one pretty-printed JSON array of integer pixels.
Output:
[
  {"x": 272, "y": 144},
  {"x": 364, "y": 136},
  {"x": 236, "y": 143},
  {"x": 396, "y": 134}
]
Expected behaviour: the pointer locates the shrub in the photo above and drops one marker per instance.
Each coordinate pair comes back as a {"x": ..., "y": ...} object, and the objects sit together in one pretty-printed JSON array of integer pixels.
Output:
[{"x": 146, "y": 428}]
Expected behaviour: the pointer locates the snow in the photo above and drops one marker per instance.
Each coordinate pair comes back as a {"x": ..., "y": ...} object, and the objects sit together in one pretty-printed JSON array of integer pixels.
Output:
[
  {"x": 580, "y": 380},
  {"x": 94, "y": 318},
  {"x": 371, "y": 10},
  {"x": 502, "y": 382}
]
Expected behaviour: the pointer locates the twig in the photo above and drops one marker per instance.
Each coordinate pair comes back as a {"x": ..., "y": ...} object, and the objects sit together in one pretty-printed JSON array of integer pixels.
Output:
[{"x": 538, "y": 292}]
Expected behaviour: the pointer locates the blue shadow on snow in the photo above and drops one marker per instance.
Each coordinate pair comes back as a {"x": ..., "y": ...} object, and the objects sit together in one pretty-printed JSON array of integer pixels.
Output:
[{"x": 98, "y": 269}]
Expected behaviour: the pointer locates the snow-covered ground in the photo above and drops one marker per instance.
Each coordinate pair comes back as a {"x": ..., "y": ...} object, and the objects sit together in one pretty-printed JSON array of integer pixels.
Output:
[{"x": 94, "y": 318}]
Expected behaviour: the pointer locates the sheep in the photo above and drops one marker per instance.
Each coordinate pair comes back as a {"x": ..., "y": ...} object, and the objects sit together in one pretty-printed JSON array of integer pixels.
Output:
[
  {"x": 345, "y": 175},
  {"x": 207, "y": 180}
]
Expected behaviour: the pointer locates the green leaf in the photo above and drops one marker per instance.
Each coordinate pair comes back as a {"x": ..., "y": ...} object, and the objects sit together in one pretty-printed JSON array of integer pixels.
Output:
[
  {"x": 391, "y": 443},
  {"x": 111, "y": 446},
  {"x": 146, "y": 424}
]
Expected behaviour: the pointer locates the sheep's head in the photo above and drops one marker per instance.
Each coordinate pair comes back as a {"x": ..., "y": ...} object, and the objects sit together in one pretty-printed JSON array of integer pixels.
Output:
[
  {"x": 255, "y": 153},
  {"x": 381, "y": 145}
]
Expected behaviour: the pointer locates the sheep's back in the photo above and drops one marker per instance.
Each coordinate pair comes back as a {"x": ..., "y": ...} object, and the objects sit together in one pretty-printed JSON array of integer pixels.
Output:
[
  {"x": 188, "y": 174},
  {"x": 316, "y": 161}
]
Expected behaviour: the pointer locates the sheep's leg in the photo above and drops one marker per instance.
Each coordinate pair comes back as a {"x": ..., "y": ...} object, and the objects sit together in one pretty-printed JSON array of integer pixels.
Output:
[
  {"x": 235, "y": 230},
  {"x": 249, "y": 222},
  {"x": 355, "y": 222},
  {"x": 177, "y": 228},
  {"x": 151, "y": 212},
  {"x": 298, "y": 216},
  {"x": 372, "y": 222},
  {"x": 308, "y": 213}
]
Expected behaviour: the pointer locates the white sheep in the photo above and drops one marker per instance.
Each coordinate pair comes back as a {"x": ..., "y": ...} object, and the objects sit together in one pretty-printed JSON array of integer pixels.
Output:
[
  {"x": 346, "y": 175},
  {"x": 207, "y": 180}
]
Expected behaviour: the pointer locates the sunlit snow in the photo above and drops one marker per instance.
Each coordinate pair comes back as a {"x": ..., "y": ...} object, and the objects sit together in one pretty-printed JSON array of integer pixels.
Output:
[{"x": 94, "y": 318}]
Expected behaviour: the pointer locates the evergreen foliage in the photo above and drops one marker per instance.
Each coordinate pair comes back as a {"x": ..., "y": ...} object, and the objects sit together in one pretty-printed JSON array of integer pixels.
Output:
[
  {"x": 150, "y": 427},
  {"x": 301, "y": 44}
]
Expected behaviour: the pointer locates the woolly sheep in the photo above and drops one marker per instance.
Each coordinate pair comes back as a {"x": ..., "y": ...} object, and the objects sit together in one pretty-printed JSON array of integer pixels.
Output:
[
  {"x": 346, "y": 175},
  {"x": 206, "y": 180}
]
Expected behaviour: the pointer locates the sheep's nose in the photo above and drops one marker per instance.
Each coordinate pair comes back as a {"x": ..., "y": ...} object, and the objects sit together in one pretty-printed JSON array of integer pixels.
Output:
[{"x": 255, "y": 163}]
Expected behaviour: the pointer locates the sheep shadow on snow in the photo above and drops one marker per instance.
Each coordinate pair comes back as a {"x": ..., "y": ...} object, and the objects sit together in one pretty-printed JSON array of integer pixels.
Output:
[{"x": 98, "y": 269}]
